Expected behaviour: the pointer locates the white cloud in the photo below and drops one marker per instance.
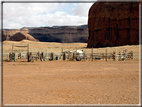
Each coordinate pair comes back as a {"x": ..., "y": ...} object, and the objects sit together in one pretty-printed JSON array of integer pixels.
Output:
[
  {"x": 18, "y": 15},
  {"x": 58, "y": 18},
  {"x": 62, "y": 18},
  {"x": 81, "y": 9},
  {"x": 25, "y": 9}
]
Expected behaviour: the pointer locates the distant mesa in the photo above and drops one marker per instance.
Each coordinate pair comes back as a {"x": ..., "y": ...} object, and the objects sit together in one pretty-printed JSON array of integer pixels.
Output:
[
  {"x": 113, "y": 24},
  {"x": 61, "y": 34}
]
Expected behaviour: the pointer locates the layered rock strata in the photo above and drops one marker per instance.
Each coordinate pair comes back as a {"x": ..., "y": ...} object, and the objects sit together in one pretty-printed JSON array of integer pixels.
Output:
[{"x": 113, "y": 24}]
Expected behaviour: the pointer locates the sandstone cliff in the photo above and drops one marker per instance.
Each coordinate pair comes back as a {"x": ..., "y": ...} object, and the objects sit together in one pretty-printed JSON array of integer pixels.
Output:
[{"x": 113, "y": 24}]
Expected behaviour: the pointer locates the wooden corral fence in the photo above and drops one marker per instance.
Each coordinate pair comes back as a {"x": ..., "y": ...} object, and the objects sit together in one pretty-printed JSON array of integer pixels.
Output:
[
  {"x": 114, "y": 56},
  {"x": 124, "y": 55},
  {"x": 16, "y": 54},
  {"x": 105, "y": 56},
  {"x": 70, "y": 55},
  {"x": 43, "y": 56},
  {"x": 73, "y": 55}
]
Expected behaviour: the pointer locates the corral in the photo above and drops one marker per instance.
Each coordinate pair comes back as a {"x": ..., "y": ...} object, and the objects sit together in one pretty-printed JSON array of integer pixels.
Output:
[{"x": 70, "y": 55}]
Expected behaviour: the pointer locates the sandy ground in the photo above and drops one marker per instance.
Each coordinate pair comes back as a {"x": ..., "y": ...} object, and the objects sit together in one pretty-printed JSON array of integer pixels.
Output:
[{"x": 71, "y": 82}]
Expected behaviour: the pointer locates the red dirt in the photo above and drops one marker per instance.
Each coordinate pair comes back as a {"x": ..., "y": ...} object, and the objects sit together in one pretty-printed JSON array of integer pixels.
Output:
[{"x": 71, "y": 82}]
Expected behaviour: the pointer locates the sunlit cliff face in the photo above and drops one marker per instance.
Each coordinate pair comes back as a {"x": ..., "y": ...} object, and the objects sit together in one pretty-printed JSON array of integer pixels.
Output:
[{"x": 113, "y": 24}]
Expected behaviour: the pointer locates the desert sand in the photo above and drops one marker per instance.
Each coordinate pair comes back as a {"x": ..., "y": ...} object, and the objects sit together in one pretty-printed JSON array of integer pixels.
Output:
[{"x": 71, "y": 82}]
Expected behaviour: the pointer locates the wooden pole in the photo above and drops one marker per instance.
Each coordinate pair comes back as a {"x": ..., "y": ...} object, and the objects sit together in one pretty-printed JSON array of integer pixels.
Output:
[
  {"x": 131, "y": 54},
  {"x": 62, "y": 50},
  {"x": 12, "y": 48},
  {"x": 28, "y": 52},
  {"x": 106, "y": 54},
  {"x": 52, "y": 56},
  {"x": 69, "y": 54},
  {"x": 113, "y": 56},
  {"x": 103, "y": 56},
  {"x": 8, "y": 56},
  {"x": 28, "y": 47},
  {"x": 14, "y": 57},
  {"x": 73, "y": 55},
  {"x": 64, "y": 56},
  {"x": 92, "y": 53},
  {"x": 119, "y": 56},
  {"x": 85, "y": 55},
  {"x": 125, "y": 55}
]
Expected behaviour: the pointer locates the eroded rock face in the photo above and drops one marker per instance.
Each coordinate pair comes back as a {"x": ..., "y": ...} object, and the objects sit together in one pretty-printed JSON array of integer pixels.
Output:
[
  {"x": 21, "y": 36},
  {"x": 17, "y": 35},
  {"x": 113, "y": 24}
]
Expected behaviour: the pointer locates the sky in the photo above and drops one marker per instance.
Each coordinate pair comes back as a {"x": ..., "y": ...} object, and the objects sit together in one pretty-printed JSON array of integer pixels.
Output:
[{"x": 18, "y": 15}]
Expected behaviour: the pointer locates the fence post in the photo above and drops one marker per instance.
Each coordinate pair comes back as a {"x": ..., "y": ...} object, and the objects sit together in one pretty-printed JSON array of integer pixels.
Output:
[
  {"x": 12, "y": 48},
  {"x": 62, "y": 50},
  {"x": 27, "y": 47},
  {"x": 131, "y": 54},
  {"x": 113, "y": 56},
  {"x": 85, "y": 55},
  {"x": 103, "y": 56},
  {"x": 14, "y": 57},
  {"x": 52, "y": 56},
  {"x": 119, "y": 56},
  {"x": 8, "y": 56},
  {"x": 64, "y": 56},
  {"x": 106, "y": 54},
  {"x": 73, "y": 57},
  {"x": 68, "y": 54},
  {"x": 92, "y": 53}
]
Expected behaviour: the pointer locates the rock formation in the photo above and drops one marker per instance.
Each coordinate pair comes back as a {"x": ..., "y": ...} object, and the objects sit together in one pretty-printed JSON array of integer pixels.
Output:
[
  {"x": 17, "y": 35},
  {"x": 113, "y": 24},
  {"x": 62, "y": 34},
  {"x": 21, "y": 36}
]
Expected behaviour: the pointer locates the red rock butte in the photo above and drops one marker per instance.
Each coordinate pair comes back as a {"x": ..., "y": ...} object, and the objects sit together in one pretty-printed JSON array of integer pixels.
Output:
[{"x": 113, "y": 24}]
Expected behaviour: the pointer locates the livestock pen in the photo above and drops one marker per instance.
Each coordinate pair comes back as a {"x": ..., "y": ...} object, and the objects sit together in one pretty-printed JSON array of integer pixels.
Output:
[{"x": 74, "y": 53}]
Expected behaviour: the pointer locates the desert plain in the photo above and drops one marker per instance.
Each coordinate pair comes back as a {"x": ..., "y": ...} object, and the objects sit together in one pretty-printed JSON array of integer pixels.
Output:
[{"x": 71, "y": 82}]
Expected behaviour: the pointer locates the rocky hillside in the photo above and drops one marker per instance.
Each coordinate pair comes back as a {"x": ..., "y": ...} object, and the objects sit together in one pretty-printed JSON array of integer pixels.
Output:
[
  {"x": 113, "y": 24},
  {"x": 8, "y": 33},
  {"x": 22, "y": 36},
  {"x": 62, "y": 34}
]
